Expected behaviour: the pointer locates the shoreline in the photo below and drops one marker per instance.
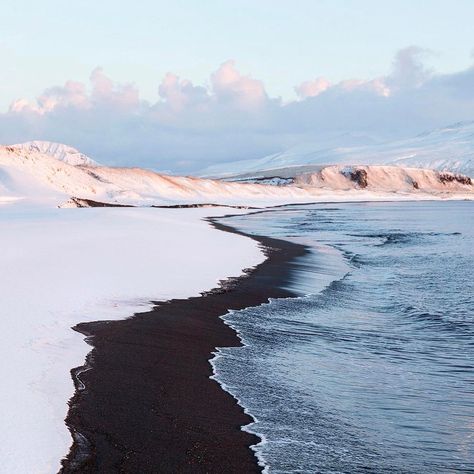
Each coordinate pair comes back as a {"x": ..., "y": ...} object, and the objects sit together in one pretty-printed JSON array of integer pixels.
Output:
[{"x": 150, "y": 403}]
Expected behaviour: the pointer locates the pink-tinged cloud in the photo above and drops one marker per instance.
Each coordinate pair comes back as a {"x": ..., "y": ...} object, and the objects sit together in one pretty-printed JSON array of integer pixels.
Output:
[
  {"x": 72, "y": 94},
  {"x": 106, "y": 92},
  {"x": 234, "y": 118},
  {"x": 181, "y": 93},
  {"x": 319, "y": 85},
  {"x": 375, "y": 86},
  {"x": 408, "y": 71},
  {"x": 103, "y": 92},
  {"x": 229, "y": 85},
  {"x": 312, "y": 88}
]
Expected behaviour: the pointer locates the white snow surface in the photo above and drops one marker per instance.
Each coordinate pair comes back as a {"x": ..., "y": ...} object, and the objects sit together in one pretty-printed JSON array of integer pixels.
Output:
[
  {"x": 65, "y": 266},
  {"x": 445, "y": 149}
]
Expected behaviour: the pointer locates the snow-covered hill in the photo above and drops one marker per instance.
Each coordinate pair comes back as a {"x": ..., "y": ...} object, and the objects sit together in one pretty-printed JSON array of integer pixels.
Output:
[
  {"x": 445, "y": 149},
  {"x": 35, "y": 176},
  {"x": 62, "y": 152}
]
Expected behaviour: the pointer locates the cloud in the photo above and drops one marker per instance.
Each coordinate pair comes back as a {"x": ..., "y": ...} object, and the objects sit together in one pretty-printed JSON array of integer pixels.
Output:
[
  {"x": 312, "y": 88},
  {"x": 190, "y": 126},
  {"x": 321, "y": 85},
  {"x": 179, "y": 94},
  {"x": 74, "y": 95},
  {"x": 408, "y": 69},
  {"x": 228, "y": 85},
  {"x": 106, "y": 93},
  {"x": 228, "y": 88}
]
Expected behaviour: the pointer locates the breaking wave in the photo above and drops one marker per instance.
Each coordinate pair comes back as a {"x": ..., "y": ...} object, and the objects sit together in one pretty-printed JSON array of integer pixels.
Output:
[{"x": 370, "y": 370}]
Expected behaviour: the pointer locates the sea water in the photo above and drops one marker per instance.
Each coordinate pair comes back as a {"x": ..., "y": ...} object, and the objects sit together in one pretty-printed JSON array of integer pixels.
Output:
[{"x": 371, "y": 368}]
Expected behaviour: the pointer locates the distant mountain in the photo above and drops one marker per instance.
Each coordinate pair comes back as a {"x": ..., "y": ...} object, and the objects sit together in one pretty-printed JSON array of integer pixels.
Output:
[
  {"x": 445, "y": 149},
  {"x": 59, "y": 151}
]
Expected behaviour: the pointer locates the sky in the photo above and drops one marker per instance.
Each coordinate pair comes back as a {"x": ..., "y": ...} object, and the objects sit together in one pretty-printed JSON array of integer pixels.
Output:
[{"x": 183, "y": 84}]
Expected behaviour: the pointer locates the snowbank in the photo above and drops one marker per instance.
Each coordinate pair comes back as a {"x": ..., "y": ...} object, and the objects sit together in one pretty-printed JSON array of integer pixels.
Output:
[{"x": 64, "y": 266}]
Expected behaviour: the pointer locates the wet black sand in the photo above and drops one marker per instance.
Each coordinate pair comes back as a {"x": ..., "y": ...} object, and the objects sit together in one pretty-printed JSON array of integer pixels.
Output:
[{"x": 144, "y": 402}]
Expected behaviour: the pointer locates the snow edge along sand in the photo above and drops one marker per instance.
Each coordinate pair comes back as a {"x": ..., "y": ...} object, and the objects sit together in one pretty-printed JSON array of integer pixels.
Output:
[{"x": 128, "y": 258}]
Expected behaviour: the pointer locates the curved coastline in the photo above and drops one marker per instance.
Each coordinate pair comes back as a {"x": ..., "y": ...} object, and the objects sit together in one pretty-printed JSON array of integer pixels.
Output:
[{"x": 150, "y": 403}]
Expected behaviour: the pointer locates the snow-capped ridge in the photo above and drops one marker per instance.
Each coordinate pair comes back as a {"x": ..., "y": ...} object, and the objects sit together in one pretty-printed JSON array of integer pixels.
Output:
[
  {"x": 449, "y": 148},
  {"x": 36, "y": 176},
  {"x": 60, "y": 151},
  {"x": 452, "y": 128},
  {"x": 380, "y": 178}
]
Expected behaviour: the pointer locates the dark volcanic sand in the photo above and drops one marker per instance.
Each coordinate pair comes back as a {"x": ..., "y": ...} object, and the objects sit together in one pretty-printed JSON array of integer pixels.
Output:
[{"x": 147, "y": 404}]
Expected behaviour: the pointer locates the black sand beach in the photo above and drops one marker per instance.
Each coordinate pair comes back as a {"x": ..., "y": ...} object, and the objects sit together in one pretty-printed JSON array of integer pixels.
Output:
[{"x": 147, "y": 404}]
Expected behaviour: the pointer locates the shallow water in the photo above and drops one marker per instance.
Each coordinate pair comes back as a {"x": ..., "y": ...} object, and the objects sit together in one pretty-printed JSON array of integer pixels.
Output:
[{"x": 373, "y": 369}]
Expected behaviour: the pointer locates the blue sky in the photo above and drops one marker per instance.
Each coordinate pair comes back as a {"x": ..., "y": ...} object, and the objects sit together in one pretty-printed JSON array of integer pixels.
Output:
[
  {"x": 184, "y": 84},
  {"x": 281, "y": 42}
]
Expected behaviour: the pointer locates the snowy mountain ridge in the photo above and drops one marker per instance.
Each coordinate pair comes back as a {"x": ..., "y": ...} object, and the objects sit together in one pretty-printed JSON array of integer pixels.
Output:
[
  {"x": 37, "y": 177},
  {"x": 61, "y": 152},
  {"x": 449, "y": 148}
]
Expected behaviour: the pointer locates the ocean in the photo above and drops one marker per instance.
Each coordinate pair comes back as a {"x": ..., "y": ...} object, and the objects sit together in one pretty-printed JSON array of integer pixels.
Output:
[{"x": 371, "y": 367}]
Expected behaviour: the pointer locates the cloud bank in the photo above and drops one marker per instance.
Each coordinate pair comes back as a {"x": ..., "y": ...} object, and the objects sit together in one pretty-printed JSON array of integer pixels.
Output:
[{"x": 190, "y": 126}]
